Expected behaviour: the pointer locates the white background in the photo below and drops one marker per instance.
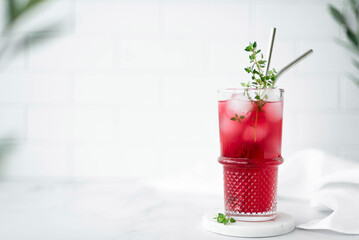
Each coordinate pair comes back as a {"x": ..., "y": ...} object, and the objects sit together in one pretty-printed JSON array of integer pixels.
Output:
[{"x": 128, "y": 88}]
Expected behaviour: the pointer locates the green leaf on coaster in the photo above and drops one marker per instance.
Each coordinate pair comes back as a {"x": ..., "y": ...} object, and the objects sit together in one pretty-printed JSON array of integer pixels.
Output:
[{"x": 222, "y": 218}]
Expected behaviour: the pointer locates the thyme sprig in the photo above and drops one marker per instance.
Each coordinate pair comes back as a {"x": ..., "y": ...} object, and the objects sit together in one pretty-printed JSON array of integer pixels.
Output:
[
  {"x": 260, "y": 80},
  {"x": 257, "y": 69},
  {"x": 237, "y": 118}
]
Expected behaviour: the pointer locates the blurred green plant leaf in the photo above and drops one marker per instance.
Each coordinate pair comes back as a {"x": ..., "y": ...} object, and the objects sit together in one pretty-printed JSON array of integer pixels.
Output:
[
  {"x": 11, "y": 11},
  {"x": 351, "y": 31},
  {"x": 354, "y": 79},
  {"x": 355, "y": 63},
  {"x": 338, "y": 16},
  {"x": 347, "y": 45},
  {"x": 16, "y": 9},
  {"x": 351, "y": 36},
  {"x": 36, "y": 38},
  {"x": 30, "y": 5},
  {"x": 354, "y": 7},
  {"x": 5, "y": 150}
]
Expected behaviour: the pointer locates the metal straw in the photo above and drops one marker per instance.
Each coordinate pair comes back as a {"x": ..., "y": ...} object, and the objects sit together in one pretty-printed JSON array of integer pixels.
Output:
[
  {"x": 291, "y": 64},
  {"x": 270, "y": 49}
]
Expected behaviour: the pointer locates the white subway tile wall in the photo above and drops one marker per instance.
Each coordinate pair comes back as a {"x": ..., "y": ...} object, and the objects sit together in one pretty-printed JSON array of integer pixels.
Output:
[{"x": 128, "y": 88}]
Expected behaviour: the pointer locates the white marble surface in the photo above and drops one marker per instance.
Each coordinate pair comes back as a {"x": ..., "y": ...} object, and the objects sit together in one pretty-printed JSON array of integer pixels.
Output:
[{"x": 126, "y": 209}]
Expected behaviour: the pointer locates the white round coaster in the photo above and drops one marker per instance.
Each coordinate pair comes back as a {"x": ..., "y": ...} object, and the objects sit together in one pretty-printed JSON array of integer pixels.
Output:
[{"x": 282, "y": 224}]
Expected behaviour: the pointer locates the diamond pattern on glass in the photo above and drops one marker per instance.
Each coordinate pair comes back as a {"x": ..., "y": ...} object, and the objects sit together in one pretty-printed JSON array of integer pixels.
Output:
[{"x": 250, "y": 191}]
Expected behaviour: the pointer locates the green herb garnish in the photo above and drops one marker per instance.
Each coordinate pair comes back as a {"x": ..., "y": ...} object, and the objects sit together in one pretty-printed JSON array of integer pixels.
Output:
[
  {"x": 260, "y": 80},
  {"x": 257, "y": 69},
  {"x": 236, "y": 118},
  {"x": 222, "y": 218}
]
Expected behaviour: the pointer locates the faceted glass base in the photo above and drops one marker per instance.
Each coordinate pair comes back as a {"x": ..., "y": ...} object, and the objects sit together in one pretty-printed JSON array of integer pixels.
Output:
[{"x": 250, "y": 190}]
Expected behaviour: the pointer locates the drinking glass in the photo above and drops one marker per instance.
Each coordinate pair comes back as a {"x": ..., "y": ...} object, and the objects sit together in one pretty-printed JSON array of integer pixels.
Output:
[{"x": 250, "y": 126}]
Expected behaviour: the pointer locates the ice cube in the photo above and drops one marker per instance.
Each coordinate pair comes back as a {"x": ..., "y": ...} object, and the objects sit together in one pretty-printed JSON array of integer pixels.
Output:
[
  {"x": 271, "y": 95},
  {"x": 273, "y": 111},
  {"x": 252, "y": 134},
  {"x": 228, "y": 126},
  {"x": 237, "y": 105}
]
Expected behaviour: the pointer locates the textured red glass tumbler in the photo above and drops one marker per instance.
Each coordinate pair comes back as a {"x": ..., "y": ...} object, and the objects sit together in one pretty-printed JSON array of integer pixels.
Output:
[{"x": 251, "y": 136}]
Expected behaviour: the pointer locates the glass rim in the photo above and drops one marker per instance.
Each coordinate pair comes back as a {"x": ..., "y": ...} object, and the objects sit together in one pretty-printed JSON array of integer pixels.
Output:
[{"x": 243, "y": 89}]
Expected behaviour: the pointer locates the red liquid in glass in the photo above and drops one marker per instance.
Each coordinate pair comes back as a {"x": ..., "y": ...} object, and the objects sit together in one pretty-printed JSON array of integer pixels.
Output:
[{"x": 250, "y": 188}]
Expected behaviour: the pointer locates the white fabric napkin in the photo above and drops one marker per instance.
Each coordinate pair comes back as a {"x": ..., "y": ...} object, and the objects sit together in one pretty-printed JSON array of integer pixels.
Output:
[{"x": 331, "y": 184}]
